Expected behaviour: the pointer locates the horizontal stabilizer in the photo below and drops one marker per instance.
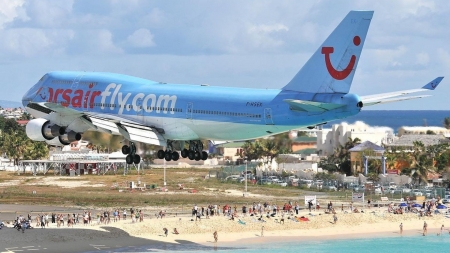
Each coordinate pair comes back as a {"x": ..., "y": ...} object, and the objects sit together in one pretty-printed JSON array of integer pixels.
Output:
[
  {"x": 384, "y": 101},
  {"x": 310, "y": 106},
  {"x": 389, "y": 97}
]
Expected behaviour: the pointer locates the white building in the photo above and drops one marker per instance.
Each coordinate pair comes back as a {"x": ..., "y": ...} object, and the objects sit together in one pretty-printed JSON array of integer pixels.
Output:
[
  {"x": 423, "y": 130},
  {"x": 329, "y": 139}
]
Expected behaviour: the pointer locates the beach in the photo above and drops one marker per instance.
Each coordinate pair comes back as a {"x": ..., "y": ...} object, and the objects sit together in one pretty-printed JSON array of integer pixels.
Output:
[{"x": 375, "y": 222}]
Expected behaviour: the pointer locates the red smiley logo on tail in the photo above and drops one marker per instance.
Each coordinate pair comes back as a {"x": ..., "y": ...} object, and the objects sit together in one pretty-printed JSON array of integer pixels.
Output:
[{"x": 340, "y": 74}]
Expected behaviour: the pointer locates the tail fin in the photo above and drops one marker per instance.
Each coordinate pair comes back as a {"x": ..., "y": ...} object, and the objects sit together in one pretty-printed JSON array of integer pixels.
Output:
[{"x": 332, "y": 67}]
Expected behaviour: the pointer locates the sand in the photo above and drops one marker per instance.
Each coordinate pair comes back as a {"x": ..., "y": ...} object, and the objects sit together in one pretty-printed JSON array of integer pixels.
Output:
[{"x": 124, "y": 233}]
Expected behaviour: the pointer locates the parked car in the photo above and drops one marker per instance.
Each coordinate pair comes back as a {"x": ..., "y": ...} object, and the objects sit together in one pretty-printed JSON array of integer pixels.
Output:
[
  {"x": 406, "y": 190},
  {"x": 265, "y": 181},
  {"x": 331, "y": 188},
  {"x": 282, "y": 183},
  {"x": 416, "y": 192},
  {"x": 232, "y": 177},
  {"x": 445, "y": 201},
  {"x": 378, "y": 190}
]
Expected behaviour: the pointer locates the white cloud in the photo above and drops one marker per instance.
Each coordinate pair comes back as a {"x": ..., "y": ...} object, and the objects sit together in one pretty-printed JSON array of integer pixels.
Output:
[
  {"x": 25, "y": 41},
  {"x": 10, "y": 10},
  {"x": 141, "y": 38},
  {"x": 261, "y": 35}
]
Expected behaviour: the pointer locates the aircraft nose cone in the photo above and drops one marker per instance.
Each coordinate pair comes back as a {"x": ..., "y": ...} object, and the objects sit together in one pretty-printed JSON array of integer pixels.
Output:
[{"x": 31, "y": 94}]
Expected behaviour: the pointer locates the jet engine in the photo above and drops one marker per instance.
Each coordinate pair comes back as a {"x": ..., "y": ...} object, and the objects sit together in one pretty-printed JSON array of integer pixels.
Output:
[
  {"x": 69, "y": 137},
  {"x": 41, "y": 129}
]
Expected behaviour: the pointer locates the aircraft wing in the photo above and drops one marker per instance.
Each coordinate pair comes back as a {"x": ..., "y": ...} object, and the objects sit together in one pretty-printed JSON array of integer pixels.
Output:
[
  {"x": 310, "y": 106},
  {"x": 389, "y": 97},
  {"x": 129, "y": 130}
]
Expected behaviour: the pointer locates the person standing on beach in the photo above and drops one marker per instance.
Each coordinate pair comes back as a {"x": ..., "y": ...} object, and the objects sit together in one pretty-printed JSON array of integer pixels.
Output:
[
  {"x": 401, "y": 228},
  {"x": 335, "y": 218},
  {"x": 216, "y": 236},
  {"x": 442, "y": 228},
  {"x": 368, "y": 203},
  {"x": 425, "y": 228},
  {"x": 262, "y": 231}
]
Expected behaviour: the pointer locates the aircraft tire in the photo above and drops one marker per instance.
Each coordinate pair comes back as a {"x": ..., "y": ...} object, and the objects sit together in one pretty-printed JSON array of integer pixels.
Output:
[
  {"x": 175, "y": 156},
  {"x": 160, "y": 154},
  {"x": 204, "y": 155},
  {"x": 136, "y": 159},
  {"x": 168, "y": 156},
  {"x": 129, "y": 159},
  {"x": 184, "y": 153},
  {"x": 198, "y": 156},
  {"x": 191, "y": 155},
  {"x": 125, "y": 149}
]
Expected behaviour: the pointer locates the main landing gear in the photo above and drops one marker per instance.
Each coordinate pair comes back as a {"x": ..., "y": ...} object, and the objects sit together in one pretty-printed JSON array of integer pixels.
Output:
[
  {"x": 193, "y": 153},
  {"x": 130, "y": 151}
]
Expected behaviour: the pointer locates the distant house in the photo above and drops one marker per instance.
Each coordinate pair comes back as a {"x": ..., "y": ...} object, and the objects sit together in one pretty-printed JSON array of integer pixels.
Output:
[
  {"x": 406, "y": 141},
  {"x": 303, "y": 142},
  {"x": 22, "y": 122},
  {"x": 230, "y": 151},
  {"x": 368, "y": 149}
]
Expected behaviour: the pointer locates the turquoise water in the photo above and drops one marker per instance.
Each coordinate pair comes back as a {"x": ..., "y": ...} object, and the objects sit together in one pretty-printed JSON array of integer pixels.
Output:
[{"x": 416, "y": 243}]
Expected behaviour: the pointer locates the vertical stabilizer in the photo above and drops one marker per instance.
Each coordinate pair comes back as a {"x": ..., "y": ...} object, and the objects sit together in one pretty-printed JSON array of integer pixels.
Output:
[{"x": 332, "y": 67}]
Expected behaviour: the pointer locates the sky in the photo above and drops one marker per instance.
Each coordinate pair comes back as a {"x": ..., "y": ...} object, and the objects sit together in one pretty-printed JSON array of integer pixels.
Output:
[{"x": 256, "y": 44}]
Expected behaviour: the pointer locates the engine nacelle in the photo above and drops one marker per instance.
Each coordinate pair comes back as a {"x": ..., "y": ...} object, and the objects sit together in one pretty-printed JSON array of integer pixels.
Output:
[
  {"x": 69, "y": 137},
  {"x": 41, "y": 130},
  {"x": 65, "y": 139}
]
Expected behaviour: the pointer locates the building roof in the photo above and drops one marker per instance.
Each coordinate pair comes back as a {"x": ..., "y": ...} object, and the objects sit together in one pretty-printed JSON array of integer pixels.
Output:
[
  {"x": 237, "y": 144},
  {"x": 306, "y": 151},
  {"x": 367, "y": 145},
  {"x": 303, "y": 139},
  {"x": 408, "y": 140}
]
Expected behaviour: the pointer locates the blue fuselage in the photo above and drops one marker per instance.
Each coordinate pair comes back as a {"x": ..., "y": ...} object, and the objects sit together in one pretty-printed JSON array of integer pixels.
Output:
[{"x": 186, "y": 112}]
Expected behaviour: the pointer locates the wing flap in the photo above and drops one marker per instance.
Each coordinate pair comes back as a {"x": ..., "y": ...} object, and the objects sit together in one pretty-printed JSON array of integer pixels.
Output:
[
  {"x": 144, "y": 134},
  {"x": 131, "y": 132},
  {"x": 311, "y": 106}
]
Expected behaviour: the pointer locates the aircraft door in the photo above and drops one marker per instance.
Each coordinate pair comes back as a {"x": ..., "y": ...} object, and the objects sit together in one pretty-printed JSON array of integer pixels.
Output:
[
  {"x": 189, "y": 109},
  {"x": 76, "y": 82},
  {"x": 268, "y": 116},
  {"x": 139, "y": 109}
]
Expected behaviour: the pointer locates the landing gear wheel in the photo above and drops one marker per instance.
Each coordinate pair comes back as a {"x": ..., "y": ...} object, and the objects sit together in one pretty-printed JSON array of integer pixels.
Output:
[
  {"x": 136, "y": 159},
  {"x": 129, "y": 159},
  {"x": 175, "y": 156},
  {"x": 204, "y": 155},
  {"x": 184, "y": 153},
  {"x": 197, "y": 156},
  {"x": 191, "y": 155},
  {"x": 160, "y": 154},
  {"x": 168, "y": 156},
  {"x": 125, "y": 150}
]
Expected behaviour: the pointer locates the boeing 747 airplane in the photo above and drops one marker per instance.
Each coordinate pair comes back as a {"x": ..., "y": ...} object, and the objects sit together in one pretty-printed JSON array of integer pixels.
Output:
[{"x": 66, "y": 104}]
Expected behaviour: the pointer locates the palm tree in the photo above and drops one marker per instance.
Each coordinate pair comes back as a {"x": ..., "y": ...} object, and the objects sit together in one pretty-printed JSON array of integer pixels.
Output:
[
  {"x": 421, "y": 162},
  {"x": 447, "y": 122}
]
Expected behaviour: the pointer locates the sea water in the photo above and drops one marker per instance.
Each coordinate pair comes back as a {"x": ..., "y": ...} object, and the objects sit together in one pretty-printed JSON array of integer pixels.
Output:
[
  {"x": 416, "y": 243},
  {"x": 396, "y": 118}
]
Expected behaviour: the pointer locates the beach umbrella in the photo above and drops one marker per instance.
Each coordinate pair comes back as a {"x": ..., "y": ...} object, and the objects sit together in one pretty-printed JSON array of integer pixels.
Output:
[
  {"x": 416, "y": 205},
  {"x": 403, "y": 204},
  {"x": 441, "y": 207}
]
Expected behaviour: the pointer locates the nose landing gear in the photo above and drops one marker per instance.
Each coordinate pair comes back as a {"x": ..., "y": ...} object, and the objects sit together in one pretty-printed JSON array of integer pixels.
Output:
[{"x": 130, "y": 151}]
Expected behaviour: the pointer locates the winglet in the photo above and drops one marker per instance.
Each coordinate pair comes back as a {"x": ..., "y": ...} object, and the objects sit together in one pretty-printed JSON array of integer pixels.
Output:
[{"x": 433, "y": 84}]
